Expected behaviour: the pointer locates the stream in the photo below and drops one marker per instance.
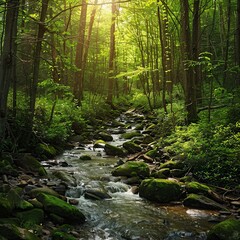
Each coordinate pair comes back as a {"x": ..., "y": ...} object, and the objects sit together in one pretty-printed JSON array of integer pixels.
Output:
[{"x": 125, "y": 215}]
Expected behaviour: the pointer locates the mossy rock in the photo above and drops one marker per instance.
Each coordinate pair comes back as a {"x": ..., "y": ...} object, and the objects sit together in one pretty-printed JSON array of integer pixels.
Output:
[
  {"x": 152, "y": 153},
  {"x": 85, "y": 157},
  {"x": 130, "y": 135},
  {"x": 96, "y": 194},
  {"x": 172, "y": 165},
  {"x": 132, "y": 169},
  {"x": 160, "y": 190},
  {"x": 36, "y": 191},
  {"x": 162, "y": 173},
  {"x": 148, "y": 139},
  {"x": 61, "y": 208},
  {"x": 139, "y": 126},
  {"x": 14, "y": 197},
  {"x": 31, "y": 217},
  {"x": 105, "y": 136},
  {"x": 65, "y": 177},
  {"x": 99, "y": 144},
  {"x": 113, "y": 150},
  {"x": 196, "y": 187},
  {"x": 226, "y": 230},
  {"x": 12, "y": 232},
  {"x": 56, "y": 219},
  {"x": 201, "y": 202},
  {"x": 132, "y": 147},
  {"x": 30, "y": 163},
  {"x": 45, "y": 150},
  {"x": 6, "y": 207}
]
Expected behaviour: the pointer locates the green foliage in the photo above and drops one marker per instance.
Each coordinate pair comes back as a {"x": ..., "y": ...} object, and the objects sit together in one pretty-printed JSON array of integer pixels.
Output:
[{"x": 211, "y": 151}]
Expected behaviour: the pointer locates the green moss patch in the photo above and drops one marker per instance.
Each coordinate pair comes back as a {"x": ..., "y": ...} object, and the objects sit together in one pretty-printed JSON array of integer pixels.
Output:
[
  {"x": 160, "y": 190},
  {"x": 131, "y": 169},
  {"x": 226, "y": 230},
  {"x": 61, "y": 208}
]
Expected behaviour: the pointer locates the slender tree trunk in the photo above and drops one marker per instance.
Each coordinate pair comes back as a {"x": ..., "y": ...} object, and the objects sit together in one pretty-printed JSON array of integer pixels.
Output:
[
  {"x": 7, "y": 61},
  {"x": 190, "y": 88},
  {"x": 163, "y": 48},
  {"x": 238, "y": 42},
  {"x": 78, "y": 84},
  {"x": 112, "y": 56},
  {"x": 36, "y": 62},
  {"x": 195, "y": 48},
  {"x": 225, "y": 84}
]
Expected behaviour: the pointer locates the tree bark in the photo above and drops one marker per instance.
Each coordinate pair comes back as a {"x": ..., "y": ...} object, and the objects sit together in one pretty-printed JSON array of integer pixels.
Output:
[
  {"x": 112, "y": 56},
  {"x": 7, "y": 60},
  {"x": 37, "y": 55},
  {"x": 190, "y": 88},
  {"x": 78, "y": 83}
]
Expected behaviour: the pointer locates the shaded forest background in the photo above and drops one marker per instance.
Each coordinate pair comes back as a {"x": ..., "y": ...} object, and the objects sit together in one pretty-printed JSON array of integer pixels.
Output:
[{"x": 78, "y": 62}]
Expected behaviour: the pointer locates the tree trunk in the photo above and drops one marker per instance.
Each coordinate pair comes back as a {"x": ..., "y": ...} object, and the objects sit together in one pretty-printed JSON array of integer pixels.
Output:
[
  {"x": 7, "y": 60},
  {"x": 238, "y": 43},
  {"x": 190, "y": 88},
  {"x": 36, "y": 62},
  {"x": 195, "y": 48},
  {"x": 112, "y": 55},
  {"x": 78, "y": 84}
]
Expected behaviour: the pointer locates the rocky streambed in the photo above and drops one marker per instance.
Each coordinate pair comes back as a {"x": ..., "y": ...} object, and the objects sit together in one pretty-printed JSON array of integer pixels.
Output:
[{"x": 118, "y": 185}]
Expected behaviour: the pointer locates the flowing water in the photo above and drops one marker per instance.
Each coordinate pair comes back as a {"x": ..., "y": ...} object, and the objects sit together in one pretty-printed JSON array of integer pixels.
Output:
[{"x": 126, "y": 215}]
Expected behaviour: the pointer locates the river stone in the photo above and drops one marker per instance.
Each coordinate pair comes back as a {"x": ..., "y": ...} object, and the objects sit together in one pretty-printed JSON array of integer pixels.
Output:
[
  {"x": 65, "y": 177},
  {"x": 30, "y": 163},
  {"x": 132, "y": 147},
  {"x": 12, "y": 232},
  {"x": 201, "y": 202},
  {"x": 85, "y": 157},
  {"x": 99, "y": 144},
  {"x": 172, "y": 165},
  {"x": 160, "y": 190},
  {"x": 177, "y": 173},
  {"x": 96, "y": 194},
  {"x": 45, "y": 150},
  {"x": 36, "y": 191},
  {"x": 113, "y": 150},
  {"x": 226, "y": 230},
  {"x": 129, "y": 135},
  {"x": 61, "y": 208},
  {"x": 31, "y": 217},
  {"x": 105, "y": 136},
  {"x": 132, "y": 169},
  {"x": 196, "y": 187},
  {"x": 152, "y": 153}
]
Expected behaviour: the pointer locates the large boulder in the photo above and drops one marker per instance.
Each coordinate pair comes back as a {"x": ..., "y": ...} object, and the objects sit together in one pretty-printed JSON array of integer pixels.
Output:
[
  {"x": 201, "y": 202},
  {"x": 113, "y": 150},
  {"x": 30, "y": 163},
  {"x": 226, "y": 230},
  {"x": 61, "y": 208},
  {"x": 132, "y": 147},
  {"x": 160, "y": 190},
  {"x": 132, "y": 169},
  {"x": 46, "y": 190}
]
